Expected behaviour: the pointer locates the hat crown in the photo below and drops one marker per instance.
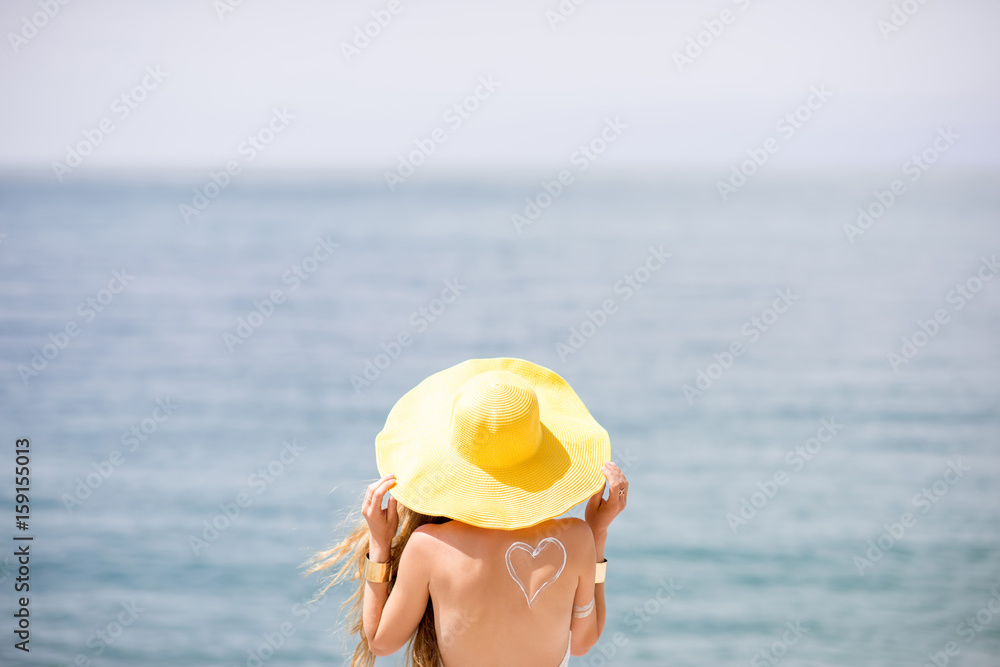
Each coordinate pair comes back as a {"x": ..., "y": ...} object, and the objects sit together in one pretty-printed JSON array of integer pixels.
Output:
[{"x": 495, "y": 421}]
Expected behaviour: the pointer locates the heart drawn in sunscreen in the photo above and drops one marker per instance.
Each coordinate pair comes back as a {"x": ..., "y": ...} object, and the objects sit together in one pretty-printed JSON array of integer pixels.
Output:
[{"x": 522, "y": 573}]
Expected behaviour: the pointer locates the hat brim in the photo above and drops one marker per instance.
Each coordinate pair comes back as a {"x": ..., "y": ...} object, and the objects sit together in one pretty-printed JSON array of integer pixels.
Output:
[{"x": 432, "y": 478}]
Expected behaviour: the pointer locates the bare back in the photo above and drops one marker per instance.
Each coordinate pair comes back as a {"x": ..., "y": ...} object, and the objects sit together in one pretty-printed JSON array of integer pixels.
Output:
[{"x": 506, "y": 597}]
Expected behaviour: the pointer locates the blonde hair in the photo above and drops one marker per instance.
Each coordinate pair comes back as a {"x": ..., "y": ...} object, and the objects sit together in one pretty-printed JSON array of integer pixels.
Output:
[{"x": 346, "y": 561}]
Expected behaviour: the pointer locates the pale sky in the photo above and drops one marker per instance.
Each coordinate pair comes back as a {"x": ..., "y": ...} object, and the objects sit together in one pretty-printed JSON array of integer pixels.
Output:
[{"x": 556, "y": 88}]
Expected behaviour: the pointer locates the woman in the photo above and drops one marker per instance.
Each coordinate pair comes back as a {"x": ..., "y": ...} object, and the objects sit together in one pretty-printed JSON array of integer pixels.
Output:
[{"x": 467, "y": 558}]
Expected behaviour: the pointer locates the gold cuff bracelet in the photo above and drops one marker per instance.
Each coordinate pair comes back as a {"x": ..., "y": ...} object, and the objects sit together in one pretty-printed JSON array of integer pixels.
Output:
[
  {"x": 602, "y": 571},
  {"x": 377, "y": 573}
]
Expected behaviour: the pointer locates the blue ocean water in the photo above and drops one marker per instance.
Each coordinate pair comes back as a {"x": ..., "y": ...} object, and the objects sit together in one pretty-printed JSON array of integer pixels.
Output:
[{"x": 754, "y": 492}]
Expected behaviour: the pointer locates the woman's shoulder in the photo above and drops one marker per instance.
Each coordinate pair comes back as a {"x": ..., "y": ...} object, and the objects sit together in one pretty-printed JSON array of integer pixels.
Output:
[
  {"x": 575, "y": 534},
  {"x": 434, "y": 535},
  {"x": 569, "y": 527},
  {"x": 432, "y": 531}
]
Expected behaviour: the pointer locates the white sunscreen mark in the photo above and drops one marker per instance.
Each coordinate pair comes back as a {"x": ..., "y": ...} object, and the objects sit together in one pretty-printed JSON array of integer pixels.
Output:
[
  {"x": 533, "y": 552},
  {"x": 583, "y": 611}
]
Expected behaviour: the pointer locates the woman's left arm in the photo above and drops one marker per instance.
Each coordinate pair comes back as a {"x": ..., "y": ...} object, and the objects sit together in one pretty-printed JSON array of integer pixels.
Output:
[{"x": 390, "y": 620}]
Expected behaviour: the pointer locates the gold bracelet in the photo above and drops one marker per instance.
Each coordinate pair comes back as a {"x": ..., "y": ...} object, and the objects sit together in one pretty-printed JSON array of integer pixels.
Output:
[
  {"x": 602, "y": 571},
  {"x": 377, "y": 573}
]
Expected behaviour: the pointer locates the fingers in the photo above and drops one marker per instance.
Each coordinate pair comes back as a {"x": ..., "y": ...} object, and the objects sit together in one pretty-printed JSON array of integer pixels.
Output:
[
  {"x": 617, "y": 484},
  {"x": 375, "y": 493},
  {"x": 602, "y": 511}
]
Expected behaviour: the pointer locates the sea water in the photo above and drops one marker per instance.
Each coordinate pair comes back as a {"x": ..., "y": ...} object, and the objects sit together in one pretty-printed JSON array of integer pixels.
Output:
[{"x": 808, "y": 416}]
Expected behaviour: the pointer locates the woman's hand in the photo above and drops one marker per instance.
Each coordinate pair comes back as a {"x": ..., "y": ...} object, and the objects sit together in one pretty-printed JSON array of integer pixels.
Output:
[
  {"x": 382, "y": 523},
  {"x": 600, "y": 511}
]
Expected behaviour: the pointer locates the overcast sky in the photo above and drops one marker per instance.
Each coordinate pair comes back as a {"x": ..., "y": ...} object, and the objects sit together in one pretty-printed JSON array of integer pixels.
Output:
[{"x": 556, "y": 86}]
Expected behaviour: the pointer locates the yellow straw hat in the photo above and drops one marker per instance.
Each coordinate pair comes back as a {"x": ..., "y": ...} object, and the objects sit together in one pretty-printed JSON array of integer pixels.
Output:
[{"x": 497, "y": 443}]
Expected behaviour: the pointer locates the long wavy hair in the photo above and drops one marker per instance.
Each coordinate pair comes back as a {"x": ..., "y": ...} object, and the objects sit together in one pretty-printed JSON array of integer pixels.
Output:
[{"x": 346, "y": 561}]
